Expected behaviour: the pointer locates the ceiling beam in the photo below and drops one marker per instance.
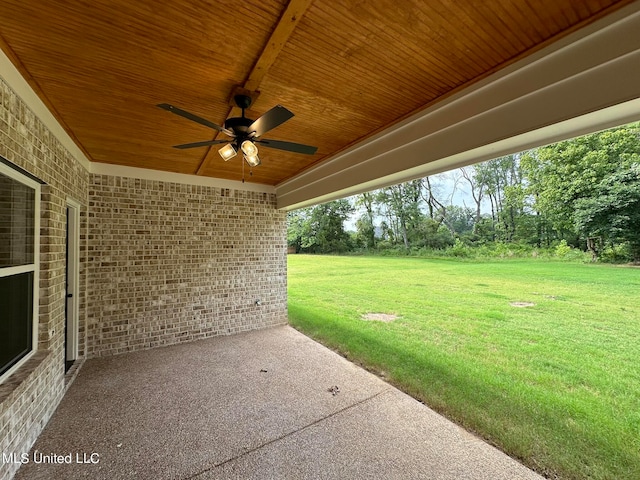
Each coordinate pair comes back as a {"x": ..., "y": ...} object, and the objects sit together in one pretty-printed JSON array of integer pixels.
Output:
[{"x": 281, "y": 33}]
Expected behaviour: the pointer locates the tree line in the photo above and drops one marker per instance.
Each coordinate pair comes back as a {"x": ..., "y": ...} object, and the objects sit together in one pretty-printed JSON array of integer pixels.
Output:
[{"x": 582, "y": 193}]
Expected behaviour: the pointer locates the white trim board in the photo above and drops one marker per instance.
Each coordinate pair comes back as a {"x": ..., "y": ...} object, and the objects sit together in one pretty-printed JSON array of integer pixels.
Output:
[{"x": 607, "y": 118}]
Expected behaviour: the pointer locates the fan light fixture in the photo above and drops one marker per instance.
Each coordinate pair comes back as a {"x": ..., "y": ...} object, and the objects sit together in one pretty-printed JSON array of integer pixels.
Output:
[
  {"x": 243, "y": 132},
  {"x": 252, "y": 160},
  {"x": 228, "y": 152}
]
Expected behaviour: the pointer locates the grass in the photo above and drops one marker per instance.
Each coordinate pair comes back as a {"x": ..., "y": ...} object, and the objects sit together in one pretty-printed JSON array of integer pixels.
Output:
[{"x": 556, "y": 385}]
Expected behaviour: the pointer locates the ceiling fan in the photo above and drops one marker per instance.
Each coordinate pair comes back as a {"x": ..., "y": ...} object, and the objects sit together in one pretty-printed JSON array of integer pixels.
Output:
[{"x": 244, "y": 132}]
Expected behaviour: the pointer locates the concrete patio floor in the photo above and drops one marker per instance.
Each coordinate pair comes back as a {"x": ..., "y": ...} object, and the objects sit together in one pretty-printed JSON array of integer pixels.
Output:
[{"x": 253, "y": 406}]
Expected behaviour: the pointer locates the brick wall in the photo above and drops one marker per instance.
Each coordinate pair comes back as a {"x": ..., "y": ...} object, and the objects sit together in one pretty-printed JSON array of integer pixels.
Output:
[
  {"x": 169, "y": 263},
  {"x": 160, "y": 263},
  {"x": 29, "y": 396}
]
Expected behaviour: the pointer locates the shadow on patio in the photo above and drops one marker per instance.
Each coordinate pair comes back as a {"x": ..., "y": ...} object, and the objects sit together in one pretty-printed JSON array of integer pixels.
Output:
[{"x": 254, "y": 405}]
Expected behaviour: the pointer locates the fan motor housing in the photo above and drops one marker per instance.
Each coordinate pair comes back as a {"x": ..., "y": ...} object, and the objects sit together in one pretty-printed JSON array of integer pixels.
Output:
[{"x": 239, "y": 125}]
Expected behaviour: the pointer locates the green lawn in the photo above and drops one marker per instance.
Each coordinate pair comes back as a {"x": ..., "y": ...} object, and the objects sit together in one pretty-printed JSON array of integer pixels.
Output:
[{"x": 556, "y": 385}]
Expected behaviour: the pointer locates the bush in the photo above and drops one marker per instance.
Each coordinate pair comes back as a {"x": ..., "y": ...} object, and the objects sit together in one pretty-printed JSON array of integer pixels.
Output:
[
  {"x": 459, "y": 250},
  {"x": 566, "y": 252},
  {"x": 498, "y": 250},
  {"x": 562, "y": 249},
  {"x": 620, "y": 253}
]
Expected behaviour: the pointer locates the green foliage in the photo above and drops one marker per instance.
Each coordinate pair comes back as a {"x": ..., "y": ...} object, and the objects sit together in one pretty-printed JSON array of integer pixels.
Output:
[
  {"x": 619, "y": 253},
  {"x": 460, "y": 220},
  {"x": 458, "y": 249},
  {"x": 584, "y": 192},
  {"x": 320, "y": 229},
  {"x": 431, "y": 234},
  {"x": 483, "y": 232},
  {"x": 366, "y": 231},
  {"x": 562, "y": 249},
  {"x": 502, "y": 179},
  {"x": 613, "y": 213},
  {"x": 568, "y": 179},
  {"x": 298, "y": 228},
  {"x": 400, "y": 204}
]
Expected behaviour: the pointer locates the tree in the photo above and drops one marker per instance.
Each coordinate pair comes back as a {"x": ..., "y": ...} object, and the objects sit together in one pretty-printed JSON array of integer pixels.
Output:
[
  {"x": 614, "y": 213},
  {"x": 477, "y": 190},
  {"x": 567, "y": 174},
  {"x": 584, "y": 191},
  {"x": 460, "y": 220},
  {"x": 400, "y": 204},
  {"x": 501, "y": 180},
  {"x": 325, "y": 228},
  {"x": 320, "y": 229},
  {"x": 366, "y": 231},
  {"x": 298, "y": 228}
]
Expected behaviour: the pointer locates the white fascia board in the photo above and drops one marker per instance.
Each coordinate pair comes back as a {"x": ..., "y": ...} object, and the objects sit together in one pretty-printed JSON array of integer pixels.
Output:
[
  {"x": 161, "y": 176},
  {"x": 585, "y": 82}
]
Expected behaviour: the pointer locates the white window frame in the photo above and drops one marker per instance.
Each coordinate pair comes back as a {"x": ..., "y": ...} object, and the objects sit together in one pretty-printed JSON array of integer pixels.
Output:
[{"x": 32, "y": 267}]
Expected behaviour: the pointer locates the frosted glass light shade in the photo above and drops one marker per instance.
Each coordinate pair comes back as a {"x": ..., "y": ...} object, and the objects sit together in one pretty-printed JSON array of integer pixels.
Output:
[
  {"x": 252, "y": 160},
  {"x": 249, "y": 148},
  {"x": 227, "y": 152}
]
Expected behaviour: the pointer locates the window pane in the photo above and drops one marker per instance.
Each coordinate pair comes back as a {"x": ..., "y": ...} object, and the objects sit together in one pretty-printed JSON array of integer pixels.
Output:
[
  {"x": 16, "y": 318},
  {"x": 16, "y": 223}
]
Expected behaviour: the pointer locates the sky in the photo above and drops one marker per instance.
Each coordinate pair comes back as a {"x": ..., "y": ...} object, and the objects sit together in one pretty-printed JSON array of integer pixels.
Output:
[{"x": 450, "y": 189}]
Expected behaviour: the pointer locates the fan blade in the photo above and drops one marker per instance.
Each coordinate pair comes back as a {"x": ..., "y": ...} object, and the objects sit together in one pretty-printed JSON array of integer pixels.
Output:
[
  {"x": 200, "y": 144},
  {"x": 194, "y": 118},
  {"x": 288, "y": 146},
  {"x": 270, "y": 120}
]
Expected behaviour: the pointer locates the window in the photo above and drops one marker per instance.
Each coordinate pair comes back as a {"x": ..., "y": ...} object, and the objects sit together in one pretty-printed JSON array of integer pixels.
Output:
[{"x": 19, "y": 246}]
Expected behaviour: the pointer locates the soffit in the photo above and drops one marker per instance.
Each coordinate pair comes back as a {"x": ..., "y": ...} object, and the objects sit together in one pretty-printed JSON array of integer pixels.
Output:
[{"x": 348, "y": 70}]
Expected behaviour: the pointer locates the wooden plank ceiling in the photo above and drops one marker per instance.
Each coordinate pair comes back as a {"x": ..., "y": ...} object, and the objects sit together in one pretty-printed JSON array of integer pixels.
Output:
[{"x": 345, "y": 69}]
